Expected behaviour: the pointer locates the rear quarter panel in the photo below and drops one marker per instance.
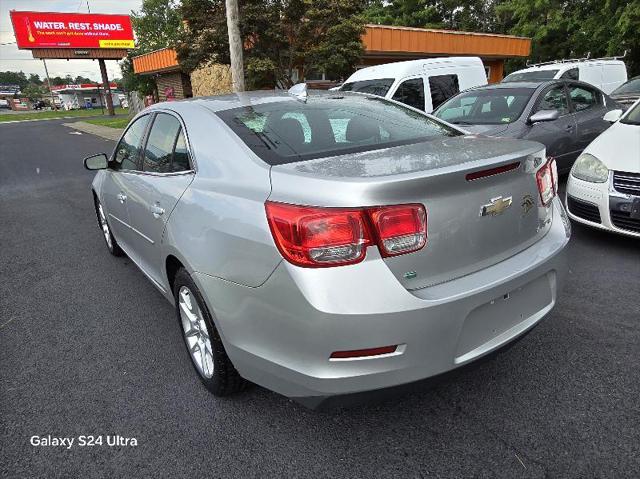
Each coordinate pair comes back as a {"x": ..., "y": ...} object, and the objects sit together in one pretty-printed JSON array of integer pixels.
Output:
[{"x": 219, "y": 226}]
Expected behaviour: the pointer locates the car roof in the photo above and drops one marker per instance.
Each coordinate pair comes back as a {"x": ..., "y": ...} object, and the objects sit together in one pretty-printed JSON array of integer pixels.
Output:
[
  {"x": 219, "y": 103},
  {"x": 410, "y": 67},
  {"x": 568, "y": 64}
]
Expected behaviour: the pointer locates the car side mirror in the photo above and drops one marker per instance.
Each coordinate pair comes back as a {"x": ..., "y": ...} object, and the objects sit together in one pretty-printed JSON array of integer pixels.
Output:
[
  {"x": 96, "y": 162},
  {"x": 544, "y": 115},
  {"x": 612, "y": 116}
]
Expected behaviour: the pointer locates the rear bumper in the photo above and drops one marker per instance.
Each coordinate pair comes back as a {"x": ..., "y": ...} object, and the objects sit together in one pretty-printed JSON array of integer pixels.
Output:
[
  {"x": 281, "y": 334},
  {"x": 612, "y": 207}
]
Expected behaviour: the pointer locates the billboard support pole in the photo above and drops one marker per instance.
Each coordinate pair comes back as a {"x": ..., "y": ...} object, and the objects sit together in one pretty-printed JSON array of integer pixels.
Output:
[
  {"x": 53, "y": 100},
  {"x": 107, "y": 87}
]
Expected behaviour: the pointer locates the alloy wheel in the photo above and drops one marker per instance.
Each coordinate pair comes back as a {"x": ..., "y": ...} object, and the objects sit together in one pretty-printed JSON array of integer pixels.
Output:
[
  {"x": 196, "y": 333},
  {"x": 105, "y": 226}
]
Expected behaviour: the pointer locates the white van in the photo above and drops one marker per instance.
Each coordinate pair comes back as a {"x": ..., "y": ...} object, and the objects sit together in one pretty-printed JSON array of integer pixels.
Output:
[
  {"x": 422, "y": 84},
  {"x": 604, "y": 73}
]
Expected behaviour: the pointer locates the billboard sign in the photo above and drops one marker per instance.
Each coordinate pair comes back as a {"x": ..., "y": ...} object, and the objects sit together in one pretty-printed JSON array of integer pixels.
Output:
[{"x": 71, "y": 30}]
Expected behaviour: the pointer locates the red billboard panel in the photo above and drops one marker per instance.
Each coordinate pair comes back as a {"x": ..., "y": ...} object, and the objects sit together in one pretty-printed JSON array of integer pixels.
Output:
[{"x": 71, "y": 30}]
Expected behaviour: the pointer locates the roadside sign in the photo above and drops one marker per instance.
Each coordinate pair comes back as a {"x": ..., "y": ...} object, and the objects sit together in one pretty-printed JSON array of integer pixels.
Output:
[{"x": 71, "y": 30}]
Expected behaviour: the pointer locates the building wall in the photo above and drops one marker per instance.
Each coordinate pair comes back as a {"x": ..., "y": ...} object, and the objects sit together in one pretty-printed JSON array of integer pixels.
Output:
[
  {"x": 176, "y": 81},
  {"x": 213, "y": 79},
  {"x": 496, "y": 70}
]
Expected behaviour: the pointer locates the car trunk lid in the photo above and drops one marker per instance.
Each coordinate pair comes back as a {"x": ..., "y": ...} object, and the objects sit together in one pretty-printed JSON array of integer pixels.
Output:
[{"x": 473, "y": 222}]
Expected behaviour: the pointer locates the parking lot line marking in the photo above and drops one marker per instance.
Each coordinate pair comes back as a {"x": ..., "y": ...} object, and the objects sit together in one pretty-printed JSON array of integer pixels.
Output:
[{"x": 4, "y": 324}]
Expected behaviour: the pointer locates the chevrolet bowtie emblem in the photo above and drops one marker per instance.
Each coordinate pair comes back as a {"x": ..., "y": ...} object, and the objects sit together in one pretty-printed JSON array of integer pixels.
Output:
[{"x": 496, "y": 207}]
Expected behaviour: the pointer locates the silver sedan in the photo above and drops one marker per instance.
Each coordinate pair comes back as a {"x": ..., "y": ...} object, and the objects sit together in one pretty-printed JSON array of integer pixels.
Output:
[{"x": 329, "y": 243}]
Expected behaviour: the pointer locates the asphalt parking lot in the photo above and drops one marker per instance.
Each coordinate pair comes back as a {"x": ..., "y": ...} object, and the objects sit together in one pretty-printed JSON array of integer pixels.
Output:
[{"x": 89, "y": 347}]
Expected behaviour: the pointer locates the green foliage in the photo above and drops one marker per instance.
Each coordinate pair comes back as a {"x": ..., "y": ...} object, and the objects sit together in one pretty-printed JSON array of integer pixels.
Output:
[
  {"x": 33, "y": 92},
  {"x": 13, "y": 78},
  {"x": 559, "y": 28},
  {"x": 467, "y": 15},
  {"x": 278, "y": 36},
  {"x": 575, "y": 28},
  {"x": 156, "y": 26}
]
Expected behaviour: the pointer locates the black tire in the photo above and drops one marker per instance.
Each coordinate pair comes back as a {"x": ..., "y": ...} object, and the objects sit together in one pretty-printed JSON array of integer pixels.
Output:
[
  {"x": 112, "y": 244},
  {"x": 225, "y": 380}
]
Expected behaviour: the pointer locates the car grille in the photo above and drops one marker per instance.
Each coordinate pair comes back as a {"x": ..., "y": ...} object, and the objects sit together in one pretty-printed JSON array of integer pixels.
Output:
[
  {"x": 628, "y": 183},
  {"x": 623, "y": 220},
  {"x": 583, "y": 210}
]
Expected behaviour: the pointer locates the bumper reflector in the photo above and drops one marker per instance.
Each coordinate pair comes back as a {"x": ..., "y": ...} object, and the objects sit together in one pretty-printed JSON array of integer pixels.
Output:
[{"x": 364, "y": 353}]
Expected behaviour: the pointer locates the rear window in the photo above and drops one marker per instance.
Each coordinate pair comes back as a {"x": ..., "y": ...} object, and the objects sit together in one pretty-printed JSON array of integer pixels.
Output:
[
  {"x": 485, "y": 107},
  {"x": 536, "y": 75},
  {"x": 291, "y": 131},
  {"x": 378, "y": 87}
]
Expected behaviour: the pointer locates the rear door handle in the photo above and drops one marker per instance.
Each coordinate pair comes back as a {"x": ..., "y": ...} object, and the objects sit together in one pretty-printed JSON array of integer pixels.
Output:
[
  {"x": 122, "y": 197},
  {"x": 157, "y": 211}
]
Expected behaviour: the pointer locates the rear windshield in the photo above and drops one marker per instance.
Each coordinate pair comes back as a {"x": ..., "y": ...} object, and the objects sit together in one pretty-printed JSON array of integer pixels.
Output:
[
  {"x": 378, "y": 87},
  {"x": 291, "y": 130},
  {"x": 633, "y": 117},
  {"x": 485, "y": 107},
  {"x": 632, "y": 86},
  {"x": 537, "y": 75}
]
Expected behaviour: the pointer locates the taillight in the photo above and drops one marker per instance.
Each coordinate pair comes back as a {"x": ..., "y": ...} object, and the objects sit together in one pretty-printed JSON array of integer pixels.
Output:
[
  {"x": 547, "y": 179},
  {"x": 309, "y": 236},
  {"x": 320, "y": 237},
  {"x": 400, "y": 229}
]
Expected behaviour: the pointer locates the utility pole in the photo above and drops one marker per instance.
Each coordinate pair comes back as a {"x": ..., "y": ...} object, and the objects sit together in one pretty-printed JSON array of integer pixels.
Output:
[
  {"x": 107, "y": 87},
  {"x": 235, "y": 45},
  {"x": 46, "y": 71}
]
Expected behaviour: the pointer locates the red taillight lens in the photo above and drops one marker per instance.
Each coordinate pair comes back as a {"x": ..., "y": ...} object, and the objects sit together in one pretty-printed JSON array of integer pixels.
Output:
[
  {"x": 400, "y": 229},
  {"x": 321, "y": 237},
  {"x": 547, "y": 181},
  {"x": 308, "y": 236}
]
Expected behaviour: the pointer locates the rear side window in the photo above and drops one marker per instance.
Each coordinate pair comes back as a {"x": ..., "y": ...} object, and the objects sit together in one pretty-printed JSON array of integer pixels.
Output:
[
  {"x": 571, "y": 74},
  {"x": 289, "y": 131},
  {"x": 583, "y": 98},
  {"x": 378, "y": 87},
  {"x": 128, "y": 150},
  {"x": 411, "y": 92},
  {"x": 555, "y": 99},
  {"x": 180, "y": 155},
  {"x": 442, "y": 88},
  {"x": 165, "y": 138}
]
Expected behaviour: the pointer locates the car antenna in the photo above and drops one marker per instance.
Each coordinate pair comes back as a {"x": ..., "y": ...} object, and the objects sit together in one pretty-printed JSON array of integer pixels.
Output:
[{"x": 299, "y": 92}]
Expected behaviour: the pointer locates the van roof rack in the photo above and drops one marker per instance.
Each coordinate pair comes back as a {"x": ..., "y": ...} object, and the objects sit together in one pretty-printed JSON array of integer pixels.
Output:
[{"x": 572, "y": 60}]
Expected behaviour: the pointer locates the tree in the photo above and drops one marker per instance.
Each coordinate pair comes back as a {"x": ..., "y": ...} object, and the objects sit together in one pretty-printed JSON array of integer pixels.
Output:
[
  {"x": 33, "y": 92},
  {"x": 13, "y": 78},
  {"x": 35, "y": 79},
  {"x": 466, "y": 15},
  {"x": 568, "y": 29},
  {"x": 278, "y": 37},
  {"x": 79, "y": 80},
  {"x": 156, "y": 26}
]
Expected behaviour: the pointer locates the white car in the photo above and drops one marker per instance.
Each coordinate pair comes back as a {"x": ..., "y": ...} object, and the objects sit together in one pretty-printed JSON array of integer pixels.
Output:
[
  {"x": 604, "y": 73},
  {"x": 603, "y": 189},
  {"x": 423, "y": 84}
]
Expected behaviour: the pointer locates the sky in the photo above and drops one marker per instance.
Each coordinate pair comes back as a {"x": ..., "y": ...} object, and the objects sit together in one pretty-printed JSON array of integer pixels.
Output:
[{"x": 13, "y": 59}]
